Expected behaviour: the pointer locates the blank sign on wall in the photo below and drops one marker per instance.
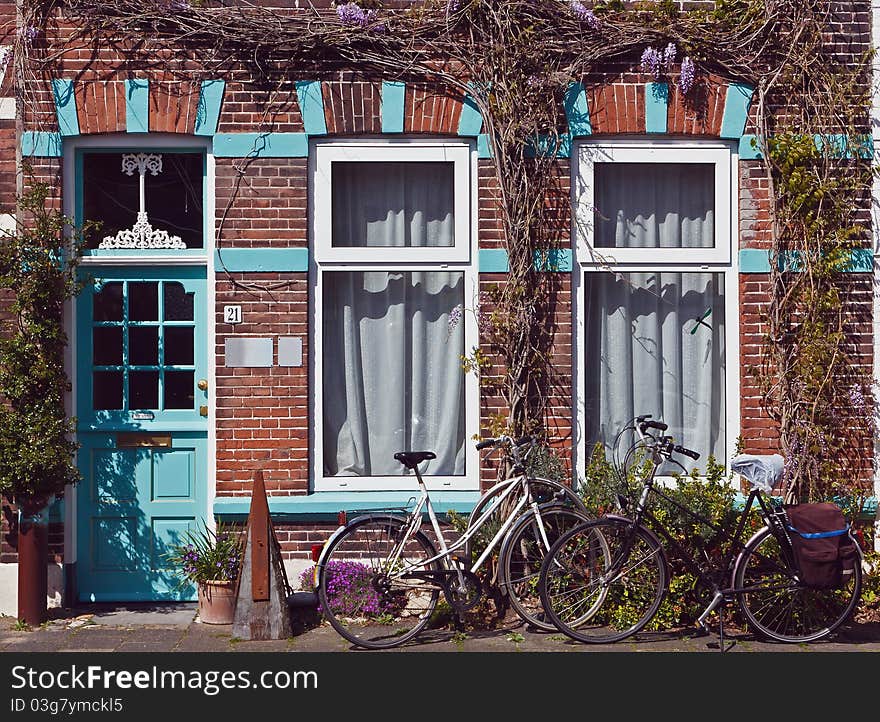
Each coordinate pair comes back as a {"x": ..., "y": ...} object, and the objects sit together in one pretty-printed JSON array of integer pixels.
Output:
[
  {"x": 290, "y": 351},
  {"x": 249, "y": 352}
]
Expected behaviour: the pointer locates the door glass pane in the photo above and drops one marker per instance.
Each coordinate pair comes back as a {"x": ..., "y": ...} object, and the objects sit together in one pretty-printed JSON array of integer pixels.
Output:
[
  {"x": 143, "y": 390},
  {"x": 179, "y": 389},
  {"x": 143, "y": 301},
  {"x": 107, "y": 345},
  {"x": 393, "y": 204},
  {"x": 143, "y": 345},
  {"x": 655, "y": 344},
  {"x": 179, "y": 346},
  {"x": 654, "y": 205},
  {"x": 107, "y": 390},
  {"x": 173, "y": 196},
  {"x": 392, "y": 376},
  {"x": 178, "y": 303},
  {"x": 107, "y": 303}
]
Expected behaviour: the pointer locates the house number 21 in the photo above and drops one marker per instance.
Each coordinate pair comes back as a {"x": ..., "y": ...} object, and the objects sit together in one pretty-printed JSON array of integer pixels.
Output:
[{"x": 232, "y": 314}]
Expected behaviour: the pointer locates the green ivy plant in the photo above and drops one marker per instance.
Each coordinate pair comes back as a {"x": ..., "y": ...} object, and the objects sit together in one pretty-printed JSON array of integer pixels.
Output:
[{"x": 38, "y": 269}]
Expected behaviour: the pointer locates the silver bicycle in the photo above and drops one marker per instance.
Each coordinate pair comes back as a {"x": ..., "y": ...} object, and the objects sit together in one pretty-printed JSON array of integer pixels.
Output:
[{"x": 380, "y": 576}]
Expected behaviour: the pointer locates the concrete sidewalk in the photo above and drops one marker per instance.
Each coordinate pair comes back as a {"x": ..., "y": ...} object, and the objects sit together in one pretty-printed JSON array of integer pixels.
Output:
[{"x": 175, "y": 628}]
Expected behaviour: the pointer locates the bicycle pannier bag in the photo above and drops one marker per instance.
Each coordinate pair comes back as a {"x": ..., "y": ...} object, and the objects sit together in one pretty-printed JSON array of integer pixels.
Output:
[{"x": 823, "y": 547}]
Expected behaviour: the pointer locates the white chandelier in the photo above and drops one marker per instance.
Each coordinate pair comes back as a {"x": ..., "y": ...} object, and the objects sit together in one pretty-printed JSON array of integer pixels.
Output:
[{"x": 142, "y": 235}]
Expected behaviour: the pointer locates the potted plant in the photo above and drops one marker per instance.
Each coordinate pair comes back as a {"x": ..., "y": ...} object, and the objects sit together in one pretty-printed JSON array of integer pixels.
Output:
[
  {"x": 211, "y": 560},
  {"x": 38, "y": 276}
]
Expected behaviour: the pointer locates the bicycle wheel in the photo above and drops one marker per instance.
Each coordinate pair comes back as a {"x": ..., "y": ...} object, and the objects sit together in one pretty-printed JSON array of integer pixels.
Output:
[
  {"x": 603, "y": 581},
  {"x": 543, "y": 491},
  {"x": 780, "y": 607},
  {"x": 363, "y": 592},
  {"x": 525, "y": 547}
]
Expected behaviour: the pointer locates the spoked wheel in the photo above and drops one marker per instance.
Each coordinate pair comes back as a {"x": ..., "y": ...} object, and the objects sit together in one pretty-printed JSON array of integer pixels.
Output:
[
  {"x": 778, "y": 606},
  {"x": 370, "y": 591},
  {"x": 523, "y": 553},
  {"x": 603, "y": 581}
]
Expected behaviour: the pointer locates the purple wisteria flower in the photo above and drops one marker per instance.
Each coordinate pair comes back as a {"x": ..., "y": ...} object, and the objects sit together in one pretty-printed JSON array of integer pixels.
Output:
[
  {"x": 454, "y": 318},
  {"x": 453, "y": 6},
  {"x": 686, "y": 79},
  {"x": 28, "y": 33},
  {"x": 354, "y": 15},
  {"x": 5, "y": 56},
  {"x": 586, "y": 14},
  {"x": 669, "y": 54},
  {"x": 652, "y": 62}
]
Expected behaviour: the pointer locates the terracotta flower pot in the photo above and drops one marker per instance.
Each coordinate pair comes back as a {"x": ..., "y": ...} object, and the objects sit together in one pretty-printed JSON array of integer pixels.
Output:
[{"x": 216, "y": 602}]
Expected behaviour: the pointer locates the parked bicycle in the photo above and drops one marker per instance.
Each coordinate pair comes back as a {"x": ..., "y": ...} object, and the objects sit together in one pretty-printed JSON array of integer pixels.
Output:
[
  {"x": 605, "y": 579},
  {"x": 380, "y": 577}
]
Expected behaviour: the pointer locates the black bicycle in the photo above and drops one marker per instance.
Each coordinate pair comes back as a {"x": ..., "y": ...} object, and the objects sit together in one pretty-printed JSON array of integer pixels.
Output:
[{"x": 605, "y": 579}]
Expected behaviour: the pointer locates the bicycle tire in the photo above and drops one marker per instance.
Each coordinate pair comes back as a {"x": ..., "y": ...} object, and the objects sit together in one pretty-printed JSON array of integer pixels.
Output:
[
  {"x": 603, "y": 581},
  {"x": 778, "y": 606},
  {"x": 522, "y": 554},
  {"x": 543, "y": 490},
  {"x": 361, "y": 601}
]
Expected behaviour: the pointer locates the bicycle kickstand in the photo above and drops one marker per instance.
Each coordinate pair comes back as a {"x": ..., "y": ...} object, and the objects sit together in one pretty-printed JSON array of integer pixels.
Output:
[{"x": 717, "y": 601}]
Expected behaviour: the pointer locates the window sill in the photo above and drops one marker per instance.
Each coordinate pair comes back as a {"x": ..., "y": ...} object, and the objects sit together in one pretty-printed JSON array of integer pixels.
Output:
[{"x": 326, "y": 505}]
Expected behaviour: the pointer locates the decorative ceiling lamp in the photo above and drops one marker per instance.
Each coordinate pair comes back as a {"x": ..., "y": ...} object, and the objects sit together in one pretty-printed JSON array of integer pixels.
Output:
[{"x": 142, "y": 235}]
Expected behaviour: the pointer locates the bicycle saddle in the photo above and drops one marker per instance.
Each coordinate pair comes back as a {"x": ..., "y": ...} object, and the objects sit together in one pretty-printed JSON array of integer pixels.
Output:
[
  {"x": 763, "y": 471},
  {"x": 411, "y": 459}
]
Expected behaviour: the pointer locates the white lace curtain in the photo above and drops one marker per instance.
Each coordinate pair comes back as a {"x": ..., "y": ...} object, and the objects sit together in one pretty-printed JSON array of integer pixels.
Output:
[{"x": 392, "y": 374}]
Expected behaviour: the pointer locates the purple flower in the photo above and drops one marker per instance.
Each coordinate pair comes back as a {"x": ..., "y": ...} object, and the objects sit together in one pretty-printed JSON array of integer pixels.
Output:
[
  {"x": 686, "y": 80},
  {"x": 354, "y": 15},
  {"x": 5, "y": 56},
  {"x": 28, "y": 33},
  {"x": 652, "y": 62},
  {"x": 453, "y": 6},
  {"x": 669, "y": 55},
  {"x": 582, "y": 12},
  {"x": 454, "y": 318}
]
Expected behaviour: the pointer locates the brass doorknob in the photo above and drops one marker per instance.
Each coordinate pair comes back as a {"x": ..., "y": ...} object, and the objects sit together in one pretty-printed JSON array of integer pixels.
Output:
[{"x": 203, "y": 384}]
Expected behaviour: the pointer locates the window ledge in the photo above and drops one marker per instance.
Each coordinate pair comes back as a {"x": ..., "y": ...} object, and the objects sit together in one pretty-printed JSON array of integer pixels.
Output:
[{"x": 325, "y": 505}]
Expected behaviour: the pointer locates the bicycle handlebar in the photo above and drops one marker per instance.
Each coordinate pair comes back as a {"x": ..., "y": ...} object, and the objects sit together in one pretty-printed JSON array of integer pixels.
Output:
[
  {"x": 486, "y": 443},
  {"x": 665, "y": 443}
]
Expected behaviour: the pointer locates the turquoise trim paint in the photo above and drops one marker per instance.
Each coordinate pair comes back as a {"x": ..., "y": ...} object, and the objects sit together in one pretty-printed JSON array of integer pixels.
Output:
[
  {"x": 470, "y": 122},
  {"x": 557, "y": 260},
  {"x": 261, "y": 145},
  {"x": 39, "y": 143},
  {"x": 736, "y": 110},
  {"x": 327, "y": 504},
  {"x": 756, "y": 260},
  {"x": 311, "y": 105},
  {"x": 65, "y": 106},
  {"x": 656, "y": 107},
  {"x": 542, "y": 145},
  {"x": 210, "y": 102},
  {"x": 291, "y": 260},
  {"x": 577, "y": 111},
  {"x": 393, "y": 101},
  {"x": 492, "y": 260},
  {"x": 137, "y": 106},
  {"x": 750, "y": 148},
  {"x": 484, "y": 148}
]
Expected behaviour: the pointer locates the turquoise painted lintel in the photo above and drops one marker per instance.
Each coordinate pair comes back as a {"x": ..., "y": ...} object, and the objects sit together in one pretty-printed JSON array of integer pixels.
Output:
[
  {"x": 484, "y": 148},
  {"x": 210, "y": 102},
  {"x": 393, "y": 101},
  {"x": 65, "y": 106},
  {"x": 471, "y": 121},
  {"x": 577, "y": 110},
  {"x": 656, "y": 107},
  {"x": 137, "y": 106},
  {"x": 756, "y": 260},
  {"x": 38, "y": 143},
  {"x": 282, "y": 260},
  {"x": 327, "y": 504},
  {"x": 261, "y": 145},
  {"x": 544, "y": 145},
  {"x": 750, "y": 148},
  {"x": 554, "y": 259},
  {"x": 492, "y": 260},
  {"x": 736, "y": 110},
  {"x": 311, "y": 105}
]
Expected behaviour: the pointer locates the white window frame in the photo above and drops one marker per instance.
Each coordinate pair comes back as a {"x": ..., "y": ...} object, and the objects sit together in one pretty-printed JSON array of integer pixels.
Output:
[
  {"x": 715, "y": 153},
  {"x": 326, "y": 155},
  {"x": 722, "y": 260},
  {"x": 458, "y": 258}
]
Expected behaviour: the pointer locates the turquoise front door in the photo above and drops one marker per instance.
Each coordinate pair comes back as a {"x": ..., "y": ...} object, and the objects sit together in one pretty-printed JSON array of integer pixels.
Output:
[{"x": 141, "y": 414}]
